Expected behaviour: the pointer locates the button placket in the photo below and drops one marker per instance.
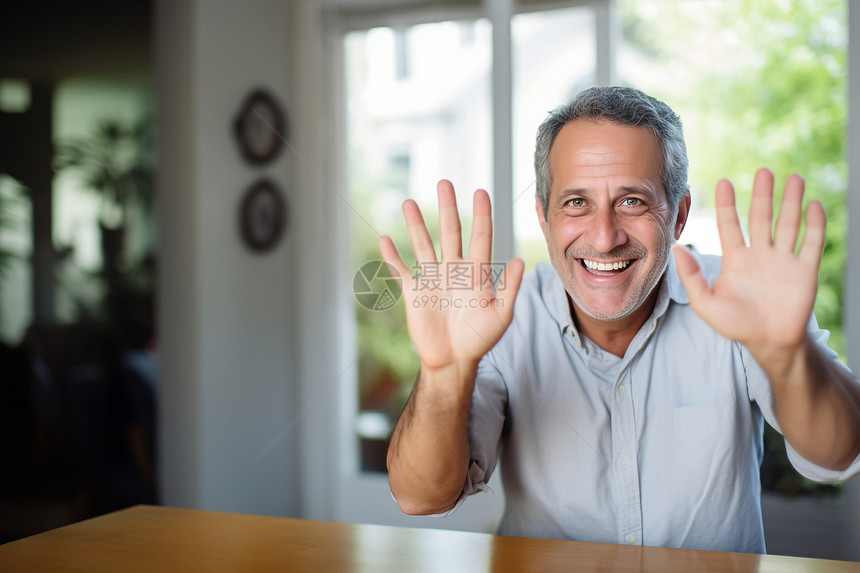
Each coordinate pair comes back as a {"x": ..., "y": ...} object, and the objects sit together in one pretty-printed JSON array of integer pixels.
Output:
[{"x": 626, "y": 473}]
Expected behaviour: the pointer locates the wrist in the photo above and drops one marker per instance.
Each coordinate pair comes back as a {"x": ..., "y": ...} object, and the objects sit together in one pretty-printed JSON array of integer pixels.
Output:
[
  {"x": 449, "y": 382},
  {"x": 786, "y": 363}
]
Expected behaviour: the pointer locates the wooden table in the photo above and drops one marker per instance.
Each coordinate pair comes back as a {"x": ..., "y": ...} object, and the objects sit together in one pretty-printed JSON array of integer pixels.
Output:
[{"x": 147, "y": 538}]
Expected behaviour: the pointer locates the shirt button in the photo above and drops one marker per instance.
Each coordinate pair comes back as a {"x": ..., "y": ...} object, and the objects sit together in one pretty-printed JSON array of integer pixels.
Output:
[
  {"x": 621, "y": 389},
  {"x": 624, "y": 463},
  {"x": 631, "y": 539}
]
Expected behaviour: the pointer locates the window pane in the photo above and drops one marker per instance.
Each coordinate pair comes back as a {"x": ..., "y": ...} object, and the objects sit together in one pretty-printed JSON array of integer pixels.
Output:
[
  {"x": 418, "y": 110},
  {"x": 553, "y": 58}
]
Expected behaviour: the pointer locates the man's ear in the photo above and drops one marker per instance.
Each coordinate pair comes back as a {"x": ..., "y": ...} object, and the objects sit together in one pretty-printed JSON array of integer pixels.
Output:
[
  {"x": 541, "y": 216},
  {"x": 683, "y": 212}
]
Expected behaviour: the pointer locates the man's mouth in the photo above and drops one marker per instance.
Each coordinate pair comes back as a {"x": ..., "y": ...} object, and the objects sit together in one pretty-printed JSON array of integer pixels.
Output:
[{"x": 597, "y": 266}]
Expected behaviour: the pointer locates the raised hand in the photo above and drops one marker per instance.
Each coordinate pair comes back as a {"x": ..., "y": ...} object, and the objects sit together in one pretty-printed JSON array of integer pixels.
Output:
[
  {"x": 765, "y": 292},
  {"x": 454, "y": 317}
]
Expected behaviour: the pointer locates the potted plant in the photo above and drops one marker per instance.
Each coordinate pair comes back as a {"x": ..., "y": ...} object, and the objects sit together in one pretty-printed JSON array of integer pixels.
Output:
[{"x": 116, "y": 163}]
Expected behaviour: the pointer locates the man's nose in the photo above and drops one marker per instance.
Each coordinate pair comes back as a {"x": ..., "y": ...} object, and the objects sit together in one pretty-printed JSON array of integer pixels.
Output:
[{"x": 606, "y": 231}]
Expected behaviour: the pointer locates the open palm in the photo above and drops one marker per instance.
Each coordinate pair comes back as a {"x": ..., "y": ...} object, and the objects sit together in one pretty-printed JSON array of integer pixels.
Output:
[
  {"x": 764, "y": 295},
  {"x": 453, "y": 312}
]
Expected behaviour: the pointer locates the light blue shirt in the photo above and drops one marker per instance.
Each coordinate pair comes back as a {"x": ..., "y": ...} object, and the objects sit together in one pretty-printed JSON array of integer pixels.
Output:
[{"x": 661, "y": 447}]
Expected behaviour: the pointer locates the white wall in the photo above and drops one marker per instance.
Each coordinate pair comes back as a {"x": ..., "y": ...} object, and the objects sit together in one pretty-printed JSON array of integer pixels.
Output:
[
  {"x": 319, "y": 331},
  {"x": 224, "y": 317}
]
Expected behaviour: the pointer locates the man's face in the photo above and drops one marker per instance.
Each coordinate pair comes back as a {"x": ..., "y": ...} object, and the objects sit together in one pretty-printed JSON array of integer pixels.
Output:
[{"x": 608, "y": 227}]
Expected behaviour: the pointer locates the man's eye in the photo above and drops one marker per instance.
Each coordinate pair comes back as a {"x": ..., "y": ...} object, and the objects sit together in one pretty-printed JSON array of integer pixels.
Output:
[
  {"x": 578, "y": 202},
  {"x": 632, "y": 202}
]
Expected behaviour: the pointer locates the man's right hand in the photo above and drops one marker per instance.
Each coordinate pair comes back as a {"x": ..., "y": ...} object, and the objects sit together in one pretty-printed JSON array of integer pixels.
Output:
[
  {"x": 453, "y": 322},
  {"x": 453, "y": 313}
]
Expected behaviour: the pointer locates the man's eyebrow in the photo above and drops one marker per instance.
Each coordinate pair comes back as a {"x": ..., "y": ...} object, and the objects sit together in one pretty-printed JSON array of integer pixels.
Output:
[
  {"x": 640, "y": 189},
  {"x": 573, "y": 191}
]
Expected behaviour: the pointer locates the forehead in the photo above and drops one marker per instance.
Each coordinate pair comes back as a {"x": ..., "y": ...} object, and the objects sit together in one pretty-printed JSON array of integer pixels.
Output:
[{"x": 587, "y": 152}]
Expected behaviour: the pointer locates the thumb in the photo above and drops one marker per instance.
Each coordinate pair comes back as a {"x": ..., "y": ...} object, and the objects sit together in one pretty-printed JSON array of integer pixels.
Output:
[
  {"x": 511, "y": 278},
  {"x": 690, "y": 274}
]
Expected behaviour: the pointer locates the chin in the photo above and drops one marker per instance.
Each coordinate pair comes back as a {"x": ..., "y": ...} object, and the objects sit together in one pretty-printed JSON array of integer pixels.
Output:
[{"x": 607, "y": 315}]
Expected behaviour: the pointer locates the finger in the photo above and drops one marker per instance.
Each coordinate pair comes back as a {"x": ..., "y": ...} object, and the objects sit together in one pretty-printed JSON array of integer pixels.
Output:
[
  {"x": 512, "y": 277},
  {"x": 761, "y": 209},
  {"x": 422, "y": 244},
  {"x": 394, "y": 260},
  {"x": 813, "y": 238},
  {"x": 481, "y": 241},
  {"x": 790, "y": 211},
  {"x": 728, "y": 224},
  {"x": 691, "y": 276},
  {"x": 450, "y": 234}
]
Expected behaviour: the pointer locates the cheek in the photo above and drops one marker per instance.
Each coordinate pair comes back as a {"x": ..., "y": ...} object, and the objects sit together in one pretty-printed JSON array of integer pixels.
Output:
[
  {"x": 662, "y": 221},
  {"x": 651, "y": 229},
  {"x": 564, "y": 231}
]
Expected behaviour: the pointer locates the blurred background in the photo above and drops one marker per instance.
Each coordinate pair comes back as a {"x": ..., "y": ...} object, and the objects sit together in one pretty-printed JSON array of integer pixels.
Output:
[{"x": 149, "y": 354}]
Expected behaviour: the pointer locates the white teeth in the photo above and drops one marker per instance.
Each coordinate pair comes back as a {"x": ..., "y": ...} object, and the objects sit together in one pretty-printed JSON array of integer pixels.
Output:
[{"x": 595, "y": 266}]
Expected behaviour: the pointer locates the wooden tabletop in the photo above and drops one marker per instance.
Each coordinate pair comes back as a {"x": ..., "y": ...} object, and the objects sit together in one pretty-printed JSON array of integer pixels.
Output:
[{"x": 147, "y": 538}]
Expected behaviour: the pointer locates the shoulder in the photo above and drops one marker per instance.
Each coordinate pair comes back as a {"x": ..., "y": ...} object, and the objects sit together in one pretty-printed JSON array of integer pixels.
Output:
[
  {"x": 541, "y": 314},
  {"x": 541, "y": 309},
  {"x": 710, "y": 265},
  {"x": 541, "y": 292}
]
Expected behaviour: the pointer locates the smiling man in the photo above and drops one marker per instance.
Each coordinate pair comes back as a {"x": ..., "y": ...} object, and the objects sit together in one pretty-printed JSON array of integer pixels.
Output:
[{"x": 624, "y": 388}]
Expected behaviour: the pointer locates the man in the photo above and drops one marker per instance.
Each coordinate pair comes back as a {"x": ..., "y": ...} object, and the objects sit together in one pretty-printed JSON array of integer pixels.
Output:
[{"x": 626, "y": 390}]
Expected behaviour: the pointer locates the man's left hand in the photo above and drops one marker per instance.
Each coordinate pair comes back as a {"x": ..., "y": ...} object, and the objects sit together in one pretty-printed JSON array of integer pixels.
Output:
[{"x": 765, "y": 292}]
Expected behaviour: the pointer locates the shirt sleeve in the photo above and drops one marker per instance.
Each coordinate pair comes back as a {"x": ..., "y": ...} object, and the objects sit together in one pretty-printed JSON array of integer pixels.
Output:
[
  {"x": 761, "y": 392},
  {"x": 486, "y": 420}
]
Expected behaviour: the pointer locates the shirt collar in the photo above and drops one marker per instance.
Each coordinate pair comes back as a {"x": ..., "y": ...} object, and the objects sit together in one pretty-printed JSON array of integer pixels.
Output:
[
  {"x": 556, "y": 296},
  {"x": 673, "y": 284}
]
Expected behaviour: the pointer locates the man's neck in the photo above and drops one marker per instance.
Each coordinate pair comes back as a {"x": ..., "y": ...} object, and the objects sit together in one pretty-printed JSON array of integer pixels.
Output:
[{"x": 613, "y": 336}]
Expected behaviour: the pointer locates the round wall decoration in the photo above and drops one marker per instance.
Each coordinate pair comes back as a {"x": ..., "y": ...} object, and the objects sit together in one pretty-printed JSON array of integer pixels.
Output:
[
  {"x": 260, "y": 128},
  {"x": 262, "y": 216}
]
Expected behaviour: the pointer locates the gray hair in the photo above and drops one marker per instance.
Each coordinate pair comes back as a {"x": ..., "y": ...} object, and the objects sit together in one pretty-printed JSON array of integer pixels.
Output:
[{"x": 623, "y": 106}]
